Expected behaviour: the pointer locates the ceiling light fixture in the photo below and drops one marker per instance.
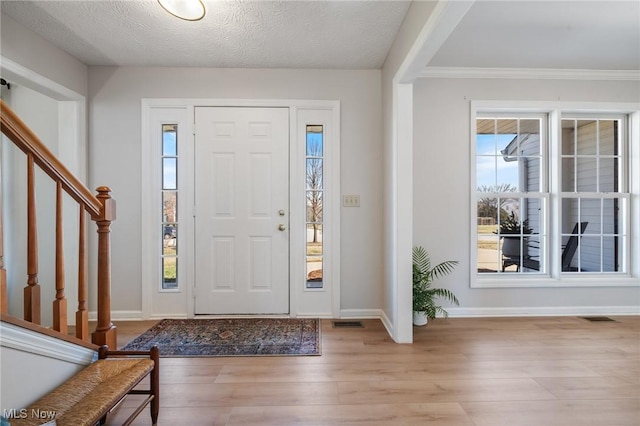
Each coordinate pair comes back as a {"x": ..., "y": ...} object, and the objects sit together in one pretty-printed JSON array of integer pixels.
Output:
[{"x": 189, "y": 10}]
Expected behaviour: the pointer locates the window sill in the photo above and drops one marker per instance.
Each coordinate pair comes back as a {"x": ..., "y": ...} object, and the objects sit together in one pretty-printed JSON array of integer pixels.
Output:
[{"x": 566, "y": 280}]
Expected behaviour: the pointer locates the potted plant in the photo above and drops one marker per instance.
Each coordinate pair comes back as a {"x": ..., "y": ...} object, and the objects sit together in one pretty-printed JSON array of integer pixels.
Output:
[
  {"x": 511, "y": 231},
  {"x": 424, "y": 295}
]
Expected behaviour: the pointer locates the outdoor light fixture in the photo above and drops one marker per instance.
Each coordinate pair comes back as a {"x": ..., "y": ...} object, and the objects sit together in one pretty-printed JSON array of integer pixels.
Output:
[{"x": 189, "y": 10}]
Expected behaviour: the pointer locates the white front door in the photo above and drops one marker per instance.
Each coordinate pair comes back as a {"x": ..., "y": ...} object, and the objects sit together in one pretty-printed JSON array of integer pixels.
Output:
[{"x": 242, "y": 210}]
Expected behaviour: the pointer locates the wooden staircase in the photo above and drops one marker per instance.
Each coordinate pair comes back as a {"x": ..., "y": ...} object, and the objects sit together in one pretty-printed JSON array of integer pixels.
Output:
[{"x": 100, "y": 208}]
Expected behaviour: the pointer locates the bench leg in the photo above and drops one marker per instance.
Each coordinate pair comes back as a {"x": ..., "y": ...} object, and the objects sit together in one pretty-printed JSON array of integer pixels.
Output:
[{"x": 155, "y": 385}]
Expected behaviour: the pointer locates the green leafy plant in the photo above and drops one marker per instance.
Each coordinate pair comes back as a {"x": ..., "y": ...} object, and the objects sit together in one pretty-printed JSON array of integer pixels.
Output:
[
  {"x": 511, "y": 225},
  {"x": 424, "y": 274}
]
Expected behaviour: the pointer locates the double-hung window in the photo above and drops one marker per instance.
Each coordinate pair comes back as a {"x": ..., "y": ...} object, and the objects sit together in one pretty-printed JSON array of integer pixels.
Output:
[
  {"x": 594, "y": 193},
  {"x": 511, "y": 193},
  {"x": 552, "y": 195}
]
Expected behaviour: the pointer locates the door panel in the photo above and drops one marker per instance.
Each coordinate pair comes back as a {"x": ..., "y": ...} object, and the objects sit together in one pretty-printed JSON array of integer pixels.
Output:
[{"x": 241, "y": 185}]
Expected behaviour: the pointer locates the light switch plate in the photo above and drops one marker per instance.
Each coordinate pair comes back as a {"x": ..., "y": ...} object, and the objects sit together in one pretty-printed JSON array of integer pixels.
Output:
[{"x": 351, "y": 200}]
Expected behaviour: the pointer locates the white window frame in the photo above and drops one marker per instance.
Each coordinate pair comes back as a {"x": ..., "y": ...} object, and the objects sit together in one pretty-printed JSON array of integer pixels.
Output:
[
  {"x": 554, "y": 276},
  {"x": 542, "y": 193},
  {"x": 158, "y": 302},
  {"x": 179, "y": 133},
  {"x": 622, "y": 194}
]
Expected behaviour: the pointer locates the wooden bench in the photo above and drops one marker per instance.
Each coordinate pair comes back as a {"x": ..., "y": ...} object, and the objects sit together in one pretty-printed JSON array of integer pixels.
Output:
[{"x": 87, "y": 397}]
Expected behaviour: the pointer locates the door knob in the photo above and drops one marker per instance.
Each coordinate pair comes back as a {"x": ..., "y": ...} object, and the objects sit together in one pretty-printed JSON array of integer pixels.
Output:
[{"x": 282, "y": 227}]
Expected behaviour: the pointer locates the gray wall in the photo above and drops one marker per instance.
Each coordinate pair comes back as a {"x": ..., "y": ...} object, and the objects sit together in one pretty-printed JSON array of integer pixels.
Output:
[
  {"x": 442, "y": 184},
  {"x": 35, "y": 53},
  {"x": 115, "y": 117}
]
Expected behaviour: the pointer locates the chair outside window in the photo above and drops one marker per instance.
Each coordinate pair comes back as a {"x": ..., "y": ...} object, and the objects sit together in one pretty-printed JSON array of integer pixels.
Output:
[{"x": 568, "y": 252}]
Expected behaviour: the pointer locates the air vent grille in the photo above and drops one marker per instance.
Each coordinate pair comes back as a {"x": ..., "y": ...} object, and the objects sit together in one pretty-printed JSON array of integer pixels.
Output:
[
  {"x": 348, "y": 324},
  {"x": 599, "y": 319}
]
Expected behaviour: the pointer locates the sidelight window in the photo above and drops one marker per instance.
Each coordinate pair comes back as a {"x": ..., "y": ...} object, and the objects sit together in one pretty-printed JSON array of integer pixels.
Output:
[
  {"x": 314, "y": 160},
  {"x": 169, "y": 209}
]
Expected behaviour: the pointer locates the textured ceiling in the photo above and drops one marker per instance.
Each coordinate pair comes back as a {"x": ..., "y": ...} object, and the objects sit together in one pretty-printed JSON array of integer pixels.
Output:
[
  {"x": 552, "y": 34},
  {"x": 247, "y": 34}
]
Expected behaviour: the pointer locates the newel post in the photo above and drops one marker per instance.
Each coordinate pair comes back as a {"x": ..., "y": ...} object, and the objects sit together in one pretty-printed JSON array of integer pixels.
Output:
[{"x": 105, "y": 333}]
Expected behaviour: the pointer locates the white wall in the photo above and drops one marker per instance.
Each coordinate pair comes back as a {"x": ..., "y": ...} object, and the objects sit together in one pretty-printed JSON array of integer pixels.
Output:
[
  {"x": 442, "y": 189},
  {"x": 115, "y": 114}
]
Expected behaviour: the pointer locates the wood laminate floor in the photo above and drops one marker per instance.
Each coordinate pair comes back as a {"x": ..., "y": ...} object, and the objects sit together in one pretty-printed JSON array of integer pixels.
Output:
[{"x": 483, "y": 372}]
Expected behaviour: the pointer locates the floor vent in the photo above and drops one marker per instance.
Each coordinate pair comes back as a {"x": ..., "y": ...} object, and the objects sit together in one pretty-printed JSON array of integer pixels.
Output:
[
  {"x": 348, "y": 324},
  {"x": 599, "y": 319}
]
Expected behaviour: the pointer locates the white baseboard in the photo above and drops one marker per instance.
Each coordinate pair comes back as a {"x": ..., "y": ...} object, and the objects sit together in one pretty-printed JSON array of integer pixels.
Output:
[
  {"x": 360, "y": 313},
  {"x": 543, "y": 311},
  {"x": 137, "y": 315},
  {"x": 168, "y": 316},
  {"x": 21, "y": 339},
  {"x": 119, "y": 315},
  {"x": 369, "y": 314},
  {"x": 387, "y": 323},
  {"x": 454, "y": 312}
]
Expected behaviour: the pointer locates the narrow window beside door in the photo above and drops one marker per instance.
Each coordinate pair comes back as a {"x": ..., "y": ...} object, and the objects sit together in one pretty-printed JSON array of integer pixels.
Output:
[
  {"x": 169, "y": 206},
  {"x": 314, "y": 196}
]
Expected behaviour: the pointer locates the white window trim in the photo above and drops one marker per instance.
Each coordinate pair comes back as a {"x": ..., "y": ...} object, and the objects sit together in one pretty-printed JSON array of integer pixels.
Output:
[
  {"x": 330, "y": 304},
  {"x": 156, "y": 301},
  {"x": 555, "y": 111}
]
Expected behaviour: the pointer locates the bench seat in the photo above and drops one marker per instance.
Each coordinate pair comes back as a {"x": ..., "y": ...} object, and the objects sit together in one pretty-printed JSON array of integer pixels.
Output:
[{"x": 87, "y": 397}]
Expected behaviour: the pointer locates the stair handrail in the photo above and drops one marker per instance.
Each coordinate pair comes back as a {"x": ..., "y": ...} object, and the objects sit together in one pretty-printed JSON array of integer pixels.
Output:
[
  {"x": 22, "y": 136},
  {"x": 100, "y": 207}
]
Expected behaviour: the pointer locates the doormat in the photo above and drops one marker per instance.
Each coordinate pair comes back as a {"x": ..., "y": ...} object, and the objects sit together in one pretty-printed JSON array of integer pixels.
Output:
[{"x": 231, "y": 337}]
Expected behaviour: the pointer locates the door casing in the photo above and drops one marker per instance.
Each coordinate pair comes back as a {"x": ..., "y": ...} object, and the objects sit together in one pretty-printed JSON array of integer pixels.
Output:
[{"x": 324, "y": 303}]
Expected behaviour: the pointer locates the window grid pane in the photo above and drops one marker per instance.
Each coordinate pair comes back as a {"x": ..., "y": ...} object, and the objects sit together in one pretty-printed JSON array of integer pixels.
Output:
[
  {"x": 510, "y": 196},
  {"x": 169, "y": 208},
  {"x": 592, "y": 219},
  {"x": 314, "y": 163}
]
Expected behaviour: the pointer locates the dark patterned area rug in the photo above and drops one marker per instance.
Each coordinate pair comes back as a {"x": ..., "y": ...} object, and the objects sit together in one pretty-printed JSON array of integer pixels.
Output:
[{"x": 231, "y": 337}]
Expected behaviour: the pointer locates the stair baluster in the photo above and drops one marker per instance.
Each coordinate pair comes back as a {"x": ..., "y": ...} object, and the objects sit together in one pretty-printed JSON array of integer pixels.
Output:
[
  {"x": 60, "y": 303},
  {"x": 82, "y": 314},
  {"x": 32, "y": 290}
]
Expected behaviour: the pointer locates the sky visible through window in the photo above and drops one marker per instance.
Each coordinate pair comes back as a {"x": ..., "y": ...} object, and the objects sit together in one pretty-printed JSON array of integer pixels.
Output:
[
  {"x": 314, "y": 144},
  {"x": 169, "y": 164},
  {"x": 491, "y": 168}
]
